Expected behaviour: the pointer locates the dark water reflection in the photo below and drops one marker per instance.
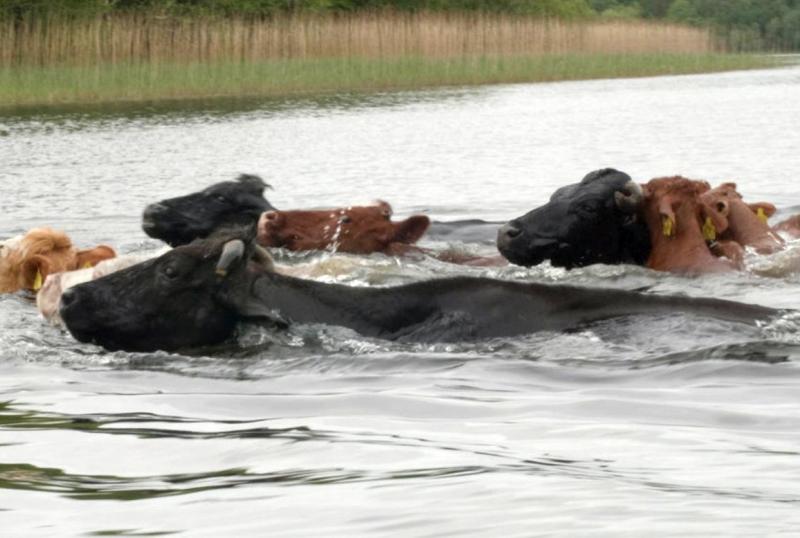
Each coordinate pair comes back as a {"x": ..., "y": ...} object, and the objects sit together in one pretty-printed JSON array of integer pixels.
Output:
[{"x": 668, "y": 426}]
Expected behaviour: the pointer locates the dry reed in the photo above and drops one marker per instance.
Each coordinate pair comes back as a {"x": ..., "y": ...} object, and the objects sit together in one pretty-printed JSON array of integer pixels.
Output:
[{"x": 111, "y": 40}]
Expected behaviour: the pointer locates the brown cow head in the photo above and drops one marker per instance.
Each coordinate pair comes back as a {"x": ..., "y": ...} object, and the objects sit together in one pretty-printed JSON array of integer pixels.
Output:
[
  {"x": 357, "y": 230},
  {"x": 747, "y": 223},
  {"x": 681, "y": 224}
]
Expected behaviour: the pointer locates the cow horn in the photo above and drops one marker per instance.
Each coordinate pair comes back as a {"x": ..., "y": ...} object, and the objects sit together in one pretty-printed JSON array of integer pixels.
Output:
[
  {"x": 629, "y": 197},
  {"x": 263, "y": 258},
  {"x": 231, "y": 252}
]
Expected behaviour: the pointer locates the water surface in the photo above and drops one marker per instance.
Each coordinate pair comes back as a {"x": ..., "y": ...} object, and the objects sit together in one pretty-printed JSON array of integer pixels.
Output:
[{"x": 669, "y": 426}]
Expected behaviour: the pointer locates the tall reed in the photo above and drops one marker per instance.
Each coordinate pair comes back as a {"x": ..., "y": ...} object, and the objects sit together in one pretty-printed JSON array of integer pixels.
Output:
[
  {"x": 132, "y": 39},
  {"x": 110, "y": 58}
]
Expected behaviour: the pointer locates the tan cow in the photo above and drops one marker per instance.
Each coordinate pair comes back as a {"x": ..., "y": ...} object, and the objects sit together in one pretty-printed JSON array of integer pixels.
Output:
[
  {"x": 682, "y": 226},
  {"x": 28, "y": 260}
]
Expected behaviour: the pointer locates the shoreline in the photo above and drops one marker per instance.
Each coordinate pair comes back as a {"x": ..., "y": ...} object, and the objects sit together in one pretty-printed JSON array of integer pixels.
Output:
[{"x": 162, "y": 82}]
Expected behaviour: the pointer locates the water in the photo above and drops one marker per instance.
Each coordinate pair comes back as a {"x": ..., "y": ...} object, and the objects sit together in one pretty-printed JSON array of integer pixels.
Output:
[{"x": 670, "y": 426}]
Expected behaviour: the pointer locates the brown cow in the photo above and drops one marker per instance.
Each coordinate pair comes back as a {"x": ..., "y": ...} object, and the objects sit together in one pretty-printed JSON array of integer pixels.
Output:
[
  {"x": 790, "y": 226},
  {"x": 747, "y": 223},
  {"x": 356, "y": 230},
  {"x": 681, "y": 224},
  {"x": 28, "y": 260}
]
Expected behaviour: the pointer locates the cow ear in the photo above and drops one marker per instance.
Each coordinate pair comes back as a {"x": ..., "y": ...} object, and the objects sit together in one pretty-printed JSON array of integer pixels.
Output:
[
  {"x": 34, "y": 272},
  {"x": 668, "y": 224},
  {"x": 728, "y": 187},
  {"x": 765, "y": 208},
  {"x": 253, "y": 181},
  {"x": 411, "y": 230},
  {"x": 93, "y": 256},
  {"x": 715, "y": 221}
]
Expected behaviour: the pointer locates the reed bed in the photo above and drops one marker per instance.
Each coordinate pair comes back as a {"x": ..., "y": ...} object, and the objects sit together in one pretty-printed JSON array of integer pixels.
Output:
[
  {"x": 55, "y": 59},
  {"x": 131, "y": 39}
]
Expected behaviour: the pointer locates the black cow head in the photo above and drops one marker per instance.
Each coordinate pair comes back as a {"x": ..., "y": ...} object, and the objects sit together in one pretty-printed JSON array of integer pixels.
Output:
[
  {"x": 594, "y": 221},
  {"x": 168, "y": 303},
  {"x": 181, "y": 220}
]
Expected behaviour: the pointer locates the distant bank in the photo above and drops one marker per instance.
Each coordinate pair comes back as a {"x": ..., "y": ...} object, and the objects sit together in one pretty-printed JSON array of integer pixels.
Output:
[{"x": 135, "y": 58}]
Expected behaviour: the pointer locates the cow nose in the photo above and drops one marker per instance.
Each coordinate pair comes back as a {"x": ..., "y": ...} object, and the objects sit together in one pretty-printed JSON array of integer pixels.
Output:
[
  {"x": 154, "y": 210},
  {"x": 68, "y": 297},
  {"x": 506, "y": 234},
  {"x": 510, "y": 231}
]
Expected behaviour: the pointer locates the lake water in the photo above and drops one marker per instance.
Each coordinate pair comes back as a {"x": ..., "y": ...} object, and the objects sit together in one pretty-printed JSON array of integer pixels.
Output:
[{"x": 667, "y": 427}]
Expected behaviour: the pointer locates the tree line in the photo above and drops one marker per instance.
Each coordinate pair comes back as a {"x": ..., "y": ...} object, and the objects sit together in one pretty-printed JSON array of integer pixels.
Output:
[{"x": 745, "y": 24}]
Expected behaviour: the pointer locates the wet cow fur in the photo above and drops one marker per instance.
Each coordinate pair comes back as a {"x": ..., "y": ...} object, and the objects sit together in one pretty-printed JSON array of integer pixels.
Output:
[{"x": 355, "y": 230}]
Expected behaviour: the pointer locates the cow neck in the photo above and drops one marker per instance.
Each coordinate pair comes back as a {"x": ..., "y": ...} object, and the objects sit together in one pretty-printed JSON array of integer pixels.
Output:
[{"x": 370, "y": 311}]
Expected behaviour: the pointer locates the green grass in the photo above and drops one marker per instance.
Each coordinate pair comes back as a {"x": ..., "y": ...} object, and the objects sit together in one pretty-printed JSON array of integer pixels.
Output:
[{"x": 27, "y": 86}]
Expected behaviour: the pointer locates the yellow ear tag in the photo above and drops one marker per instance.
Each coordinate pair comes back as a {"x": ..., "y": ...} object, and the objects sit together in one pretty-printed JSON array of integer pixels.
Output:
[
  {"x": 37, "y": 281},
  {"x": 761, "y": 215},
  {"x": 709, "y": 230},
  {"x": 87, "y": 265},
  {"x": 667, "y": 226}
]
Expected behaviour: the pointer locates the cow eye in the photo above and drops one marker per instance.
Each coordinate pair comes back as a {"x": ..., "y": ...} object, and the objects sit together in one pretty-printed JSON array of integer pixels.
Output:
[
  {"x": 220, "y": 198},
  {"x": 170, "y": 272},
  {"x": 345, "y": 220}
]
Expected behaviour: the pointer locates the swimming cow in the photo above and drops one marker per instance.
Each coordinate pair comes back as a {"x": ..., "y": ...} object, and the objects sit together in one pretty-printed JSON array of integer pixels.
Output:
[
  {"x": 27, "y": 260},
  {"x": 356, "y": 229},
  {"x": 196, "y": 294},
  {"x": 594, "y": 221}
]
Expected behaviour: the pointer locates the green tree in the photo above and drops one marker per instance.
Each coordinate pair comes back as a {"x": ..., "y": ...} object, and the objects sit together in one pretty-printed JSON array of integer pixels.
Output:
[
  {"x": 684, "y": 11},
  {"x": 655, "y": 8}
]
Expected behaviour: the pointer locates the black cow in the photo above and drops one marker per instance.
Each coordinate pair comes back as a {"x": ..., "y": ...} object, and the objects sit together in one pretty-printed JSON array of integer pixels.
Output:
[
  {"x": 594, "y": 221},
  {"x": 178, "y": 221},
  {"x": 195, "y": 295}
]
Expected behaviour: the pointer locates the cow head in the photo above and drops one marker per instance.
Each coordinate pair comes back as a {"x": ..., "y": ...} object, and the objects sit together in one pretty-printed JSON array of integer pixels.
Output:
[
  {"x": 594, "y": 221},
  {"x": 357, "y": 229},
  {"x": 167, "y": 303},
  {"x": 747, "y": 223},
  {"x": 178, "y": 221}
]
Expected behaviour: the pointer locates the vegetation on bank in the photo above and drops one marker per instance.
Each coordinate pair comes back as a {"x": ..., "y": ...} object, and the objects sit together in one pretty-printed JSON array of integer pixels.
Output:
[
  {"x": 138, "y": 57},
  {"x": 282, "y": 77}
]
